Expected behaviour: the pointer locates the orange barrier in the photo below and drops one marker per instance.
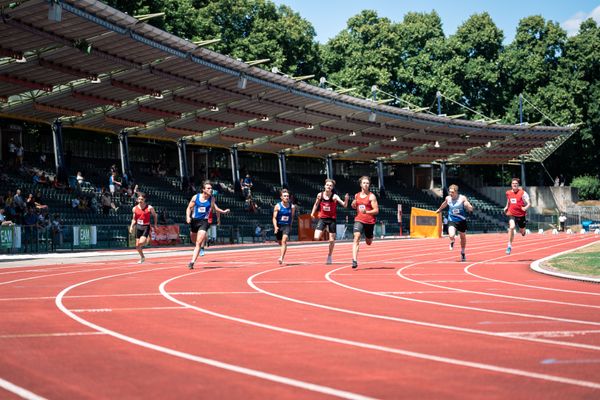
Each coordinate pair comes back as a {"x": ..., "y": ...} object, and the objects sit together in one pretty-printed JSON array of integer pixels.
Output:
[
  {"x": 425, "y": 223},
  {"x": 305, "y": 230}
]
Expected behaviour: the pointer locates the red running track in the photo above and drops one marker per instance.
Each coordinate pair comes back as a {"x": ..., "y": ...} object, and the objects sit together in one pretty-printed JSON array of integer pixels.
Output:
[{"x": 411, "y": 322}]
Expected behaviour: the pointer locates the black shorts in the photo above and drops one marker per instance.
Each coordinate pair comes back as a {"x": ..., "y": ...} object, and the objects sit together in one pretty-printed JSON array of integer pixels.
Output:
[
  {"x": 367, "y": 229},
  {"x": 328, "y": 223},
  {"x": 460, "y": 226},
  {"x": 142, "y": 230},
  {"x": 283, "y": 230},
  {"x": 521, "y": 222},
  {"x": 199, "y": 225}
]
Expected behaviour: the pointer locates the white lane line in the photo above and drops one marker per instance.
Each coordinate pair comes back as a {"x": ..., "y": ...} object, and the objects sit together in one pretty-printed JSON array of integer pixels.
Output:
[
  {"x": 428, "y": 283},
  {"x": 550, "y": 361},
  {"x": 84, "y": 296},
  {"x": 386, "y": 349},
  {"x": 293, "y": 282},
  {"x": 99, "y": 310},
  {"x": 553, "y": 333},
  {"x": 536, "y": 267},
  {"x": 409, "y": 321},
  {"x": 55, "y": 334},
  {"x": 468, "y": 271},
  {"x": 19, "y": 391},
  {"x": 418, "y": 292},
  {"x": 202, "y": 360}
]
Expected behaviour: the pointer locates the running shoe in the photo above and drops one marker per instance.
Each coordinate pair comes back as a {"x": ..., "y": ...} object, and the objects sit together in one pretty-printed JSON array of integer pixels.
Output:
[
  {"x": 201, "y": 251},
  {"x": 329, "y": 260},
  {"x": 508, "y": 249},
  {"x": 451, "y": 246},
  {"x": 523, "y": 233},
  {"x": 141, "y": 260},
  {"x": 280, "y": 261},
  {"x": 191, "y": 265},
  {"x": 463, "y": 257},
  {"x": 354, "y": 264}
]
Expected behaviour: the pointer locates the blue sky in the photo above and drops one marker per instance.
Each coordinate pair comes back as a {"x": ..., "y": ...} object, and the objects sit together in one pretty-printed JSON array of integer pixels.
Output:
[{"x": 329, "y": 16}]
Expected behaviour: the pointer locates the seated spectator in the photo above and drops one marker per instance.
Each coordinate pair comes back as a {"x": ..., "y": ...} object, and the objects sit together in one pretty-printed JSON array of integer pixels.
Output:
[
  {"x": 3, "y": 219},
  {"x": 80, "y": 178},
  {"x": 247, "y": 186},
  {"x": 250, "y": 205},
  {"x": 75, "y": 203},
  {"x": 56, "y": 230},
  {"x": 39, "y": 200},
  {"x": 83, "y": 203},
  {"x": 57, "y": 184},
  {"x": 30, "y": 202},
  {"x": 258, "y": 233},
  {"x": 43, "y": 179}
]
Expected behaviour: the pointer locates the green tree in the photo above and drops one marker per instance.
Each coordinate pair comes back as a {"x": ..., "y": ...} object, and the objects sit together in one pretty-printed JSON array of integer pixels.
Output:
[
  {"x": 476, "y": 47},
  {"x": 363, "y": 54},
  {"x": 248, "y": 29}
]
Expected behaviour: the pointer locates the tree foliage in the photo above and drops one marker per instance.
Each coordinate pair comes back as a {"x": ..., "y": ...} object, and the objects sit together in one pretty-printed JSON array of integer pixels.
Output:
[{"x": 559, "y": 76}]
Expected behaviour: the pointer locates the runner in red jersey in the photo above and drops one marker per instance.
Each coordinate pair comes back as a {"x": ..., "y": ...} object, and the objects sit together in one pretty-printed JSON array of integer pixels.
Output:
[
  {"x": 367, "y": 208},
  {"x": 141, "y": 220},
  {"x": 517, "y": 203},
  {"x": 326, "y": 205}
]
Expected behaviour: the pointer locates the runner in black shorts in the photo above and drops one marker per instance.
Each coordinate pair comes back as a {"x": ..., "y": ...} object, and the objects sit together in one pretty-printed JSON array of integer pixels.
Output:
[
  {"x": 367, "y": 208},
  {"x": 140, "y": 220},
  {"x": 325, "y": 209},
  {"x": 283, "y": 216}
]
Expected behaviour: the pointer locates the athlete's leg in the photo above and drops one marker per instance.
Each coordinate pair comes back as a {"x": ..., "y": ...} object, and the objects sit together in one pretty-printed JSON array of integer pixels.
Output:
[
  {"x": 199, "y": 240},
  {"x": 452, "y": 235}
]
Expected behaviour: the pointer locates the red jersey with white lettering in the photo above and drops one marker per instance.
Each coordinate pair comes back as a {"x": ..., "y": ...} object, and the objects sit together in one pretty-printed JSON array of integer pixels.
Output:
[
  {"x": 516, "y": 201},
  {"x": 363, "y": 203},
  {"x": 142, "y": 216},
  {"x": 327, "y": 207}
]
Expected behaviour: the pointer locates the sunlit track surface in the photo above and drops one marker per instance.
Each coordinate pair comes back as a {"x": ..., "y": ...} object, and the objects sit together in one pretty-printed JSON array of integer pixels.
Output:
[{"x": 411, "y": 321}]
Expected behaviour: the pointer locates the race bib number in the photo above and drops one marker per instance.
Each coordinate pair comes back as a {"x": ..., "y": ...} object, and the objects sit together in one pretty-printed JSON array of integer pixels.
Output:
[
  {"x": 362, "y": 207},
  {"x": 326, "y": 208},
  {"x": 513, "y": 201},
  {"x": 140, "y": 222},
  {"x": 285, "y": 218},
  {"x": 456, "y": 211},
  {"x": 201, "y": 209}
]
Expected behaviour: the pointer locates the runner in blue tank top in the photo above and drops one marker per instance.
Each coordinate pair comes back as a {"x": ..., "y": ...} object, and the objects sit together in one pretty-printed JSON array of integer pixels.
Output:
[
  {"x": 197, "y": 213},
  {"x": 283, "y": 216},
  {"x": 458, "y": 205}
]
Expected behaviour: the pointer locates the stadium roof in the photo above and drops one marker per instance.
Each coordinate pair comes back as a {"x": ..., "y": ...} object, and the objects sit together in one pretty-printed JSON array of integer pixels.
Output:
[{"x": 99, "y": 69}]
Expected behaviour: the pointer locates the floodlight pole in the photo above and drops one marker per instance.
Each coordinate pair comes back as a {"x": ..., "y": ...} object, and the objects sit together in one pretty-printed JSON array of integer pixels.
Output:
[
  {"x": 329, "y": 167},
  {"x": 235, "y": 166},
  {"x": 124, "y": 150},
  {"x": 381, "y": 184},
  {"x": 443, "y": 179},
  {"x": 521, "y": 108},
  {"x": 523, "y": 183},
  {"x": 59, "y": 159},
  {"x": 183, "y": 164},
  {"x": 282, "y": 170}
]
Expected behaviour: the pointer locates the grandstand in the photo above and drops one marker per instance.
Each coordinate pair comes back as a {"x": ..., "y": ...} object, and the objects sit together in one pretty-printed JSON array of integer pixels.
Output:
[{"x": 137, "y": 96}]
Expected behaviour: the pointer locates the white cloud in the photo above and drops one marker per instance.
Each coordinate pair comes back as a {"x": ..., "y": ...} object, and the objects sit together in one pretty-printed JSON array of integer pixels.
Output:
[{"x": 572, "y": 24}]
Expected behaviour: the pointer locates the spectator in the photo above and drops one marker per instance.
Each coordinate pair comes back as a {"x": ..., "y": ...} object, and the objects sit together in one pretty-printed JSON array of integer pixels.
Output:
[
  {"x": 57, "y": 231},
  {"x": 39, "y": 200},
  {"x": 43, "y": 179},
  {"x": 258, "y": 233},
  {"x": 80, "y": 178},
  {"x": 12, "y": 152},
  {"x": 561, "y": 222},
  {"x": 247, "y": 186},
  {"x": 75, "y": 203},
  {"x": 113, "y": 183},
  {"x": 30, "y": 229},
  {"x": 20, "y": 153},
  {"x": 19, "y": 202},
  {"x": 30, "y": 202},
  {"x": 94, "y": 204}
]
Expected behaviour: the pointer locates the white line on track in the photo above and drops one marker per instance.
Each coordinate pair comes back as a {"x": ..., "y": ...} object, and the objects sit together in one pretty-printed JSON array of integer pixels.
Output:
[
  {"x": 407, "y": 353},
  {"x": 84, "y": 296},
  {"x": 408, "y": 321},
  {"x": 99, "y": 310},
  {"x": 54, "y": 334},
  {"x": 429, "y": 283},
  {"x": 202, "y": 360},
  {"x": 19, "y": 391}
]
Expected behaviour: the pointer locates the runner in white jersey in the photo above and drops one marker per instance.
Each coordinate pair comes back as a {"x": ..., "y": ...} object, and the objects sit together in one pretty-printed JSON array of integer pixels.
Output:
[{"x": 458, "y": 205}]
